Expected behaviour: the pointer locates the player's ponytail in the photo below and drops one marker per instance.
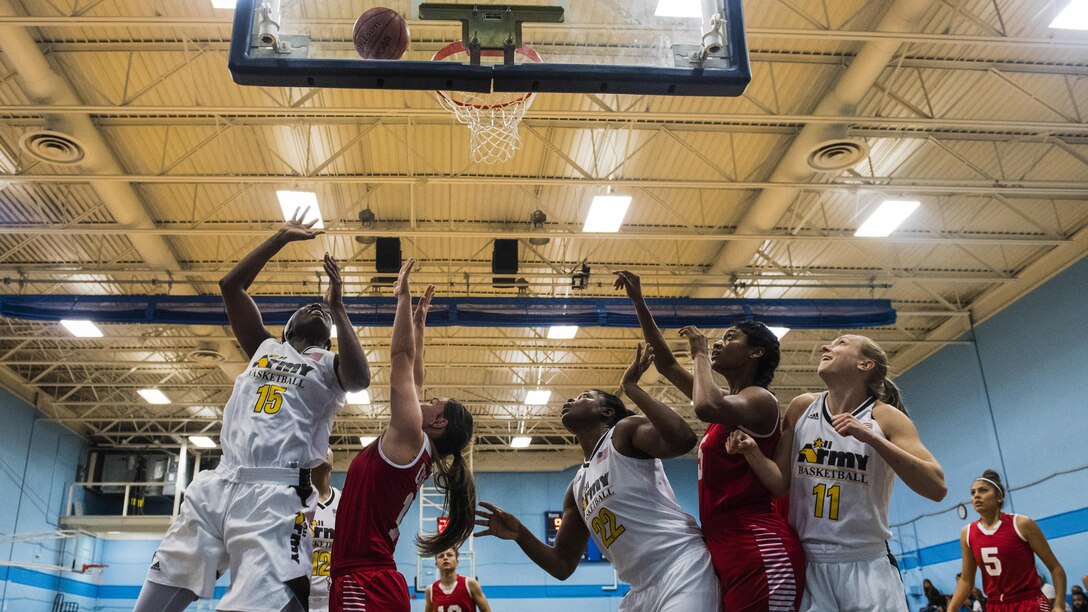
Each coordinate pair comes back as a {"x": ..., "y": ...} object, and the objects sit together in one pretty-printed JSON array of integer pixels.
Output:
[
  {"x": 455, "y": 479},
  {"x": 879, "y": 384}
]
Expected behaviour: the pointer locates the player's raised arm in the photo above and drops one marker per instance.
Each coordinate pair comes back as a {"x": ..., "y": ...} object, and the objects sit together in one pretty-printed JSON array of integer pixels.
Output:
[
  {"x": 560, "y": 560},
  {"x": 753, "y": 407},
  {"x": 404, "y": 436},
  {"x": 662, "y": 433},
  {"x": 902, "y": 449},
  {"x": 245, "y": 318},
  {"x": 773, "y": 473},
  {"x": 419, "y": 325},
  {"x": 351, "y": 364},
  {"x": 664, "y": 360}
]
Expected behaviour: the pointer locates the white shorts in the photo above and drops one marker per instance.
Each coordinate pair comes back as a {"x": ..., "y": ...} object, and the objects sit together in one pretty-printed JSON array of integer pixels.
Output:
[
  {"x": 688, "y": 585},
  {"x": 854, "y": 586},
  {"x": 319, "y": 604},
  {"x": 260, "y": 531}
]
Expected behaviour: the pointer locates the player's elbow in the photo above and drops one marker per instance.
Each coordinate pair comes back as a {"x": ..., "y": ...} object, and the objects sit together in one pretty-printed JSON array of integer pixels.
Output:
[
  {"x": 937, "y": 492},
  {"x": 683, "y": 441}
]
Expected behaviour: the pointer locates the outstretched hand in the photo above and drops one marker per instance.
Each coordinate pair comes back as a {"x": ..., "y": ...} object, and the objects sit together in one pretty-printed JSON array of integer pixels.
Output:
[
  {"x": 334, "y": 295},
  {"x": 638, "y": 367},
  {"x": 419, "y": 315},
  {"x": 630, "y": 282},
  {"x": 401, "y": 287},
  {"x": 294, "y": 229},
  {"x": 499, "y": 523},
  {"x": 740, "y": 443},
  {"x": 696, "y": 339}
]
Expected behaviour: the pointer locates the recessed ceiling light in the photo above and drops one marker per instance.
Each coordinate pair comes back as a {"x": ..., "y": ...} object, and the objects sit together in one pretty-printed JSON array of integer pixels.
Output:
[
  {"x": 81, "y": 328},
  {"x": 679, "y": 8},
  {"x": 521, "y": 441},
  {"x": 562, "y": 332},
  {"x": 366, "y": 440},
  {"x": 606, "y": 213},
  {"x": 779, "y": 331},
  {"x": 359, "y": 397},
  {"x": 886, "y": 218},
  {"x": 1073, "y": 17},
  {"x": 154, "y": 396},
  {"x": 537, "y": 397},
  {"x": 202, "y": 441},
  {"x": 291, "y": 201}
]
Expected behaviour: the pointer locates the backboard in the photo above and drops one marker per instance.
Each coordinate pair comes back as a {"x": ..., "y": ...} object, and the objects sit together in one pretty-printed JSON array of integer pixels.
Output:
[{"x": 657, "y": 47}]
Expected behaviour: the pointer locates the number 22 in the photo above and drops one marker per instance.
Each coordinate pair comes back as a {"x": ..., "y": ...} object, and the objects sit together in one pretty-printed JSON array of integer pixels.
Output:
[{"x": 605, "y": 526}]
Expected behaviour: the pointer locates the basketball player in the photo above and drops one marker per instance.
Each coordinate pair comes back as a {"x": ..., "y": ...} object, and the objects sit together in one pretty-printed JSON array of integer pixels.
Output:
[
  {"x": 324, "y": 530},
  {"x": 253, "y": 510},
  {"x": 453, "y": 592},
  {"x": 838, "y": 458},
  {"x": 385, "y": 477},
  {"x": 622, "y": 498},
  {"x": 1005, "y": 546},
  {"x": 756, "y": 554}
]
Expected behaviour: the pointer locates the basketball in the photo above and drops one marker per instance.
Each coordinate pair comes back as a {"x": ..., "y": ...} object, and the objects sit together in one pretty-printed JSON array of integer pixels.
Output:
[{"x": 380, "y": 33}]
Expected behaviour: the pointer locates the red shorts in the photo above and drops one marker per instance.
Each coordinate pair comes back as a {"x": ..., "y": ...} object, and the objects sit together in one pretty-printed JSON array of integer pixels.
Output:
[
  {"x": 760, "y": 563},
  {"x": 1031, "y": 604},
  {"x": 370, "y": 590}
]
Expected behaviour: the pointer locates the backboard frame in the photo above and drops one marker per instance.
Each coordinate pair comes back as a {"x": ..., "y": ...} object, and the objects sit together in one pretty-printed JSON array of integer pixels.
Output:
[{"x": 264, "y": 68}]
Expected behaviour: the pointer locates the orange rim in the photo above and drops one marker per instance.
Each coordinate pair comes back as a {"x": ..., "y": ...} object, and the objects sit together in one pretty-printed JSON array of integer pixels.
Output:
[{"x": 459, "y": 47}]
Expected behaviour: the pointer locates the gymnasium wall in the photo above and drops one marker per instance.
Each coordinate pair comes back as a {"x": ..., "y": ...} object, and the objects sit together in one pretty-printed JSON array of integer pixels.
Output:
[
  {"x": 37, "y": 462},
  {"x": 1012, "y": 401}
]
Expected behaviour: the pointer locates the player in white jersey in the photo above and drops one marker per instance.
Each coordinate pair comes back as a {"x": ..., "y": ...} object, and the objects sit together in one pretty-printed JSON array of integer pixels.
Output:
[
  {"x": 251, "y": 513},
  {"x": 324, "y": 529},
  {"x": 838, "y": 458},
  {"x": 622, "y": 499}
]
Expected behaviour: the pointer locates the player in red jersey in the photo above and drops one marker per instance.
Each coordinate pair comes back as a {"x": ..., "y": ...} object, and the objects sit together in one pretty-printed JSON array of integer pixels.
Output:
[
  {"x": 385, "y": 477},
  {"x": 755, "y": 552},
  {"x": 453, "y": 592},
  {"x": 1005, "y": 545}
]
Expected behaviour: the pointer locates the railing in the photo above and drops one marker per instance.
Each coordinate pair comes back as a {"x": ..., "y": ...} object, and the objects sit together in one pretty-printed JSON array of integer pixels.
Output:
[{"x": 128, "y": 487}]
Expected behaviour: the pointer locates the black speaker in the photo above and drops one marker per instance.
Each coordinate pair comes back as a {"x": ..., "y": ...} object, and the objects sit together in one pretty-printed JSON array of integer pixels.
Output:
[
  {"x": 387, "y": 258},
  {"x": 504, "y": 260}
]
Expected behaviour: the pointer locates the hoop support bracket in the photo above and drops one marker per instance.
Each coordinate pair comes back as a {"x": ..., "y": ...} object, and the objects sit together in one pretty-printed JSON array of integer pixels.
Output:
[{"x": 491, "y": 27}]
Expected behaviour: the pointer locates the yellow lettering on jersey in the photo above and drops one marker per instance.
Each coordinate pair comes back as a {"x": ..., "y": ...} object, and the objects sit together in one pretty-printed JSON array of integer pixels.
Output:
[
  {"x": 269, "y": 399},
  {"x": 822, "y": 491},
  {"x": 604, "y": 524}
]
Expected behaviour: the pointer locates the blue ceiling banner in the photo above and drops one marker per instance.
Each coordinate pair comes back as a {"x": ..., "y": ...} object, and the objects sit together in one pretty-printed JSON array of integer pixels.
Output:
[{"x": 462, "y": 311}]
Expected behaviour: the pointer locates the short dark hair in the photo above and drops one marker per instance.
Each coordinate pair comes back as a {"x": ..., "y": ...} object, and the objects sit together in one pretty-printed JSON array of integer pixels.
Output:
[
  {"x": 619, "y": 410},
  {"x": 761, "y": 336}
]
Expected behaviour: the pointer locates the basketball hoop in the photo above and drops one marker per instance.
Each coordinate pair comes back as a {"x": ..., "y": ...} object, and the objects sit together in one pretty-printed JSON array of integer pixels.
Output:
[{"x": 492, "y": 118}]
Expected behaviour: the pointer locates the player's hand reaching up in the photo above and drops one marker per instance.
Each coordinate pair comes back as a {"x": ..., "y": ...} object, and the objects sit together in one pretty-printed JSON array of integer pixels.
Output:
[
  {"x": 638, "y": 367},
  {"x": 401, "y": 287},
  {"x": 629, "y": 282},
  {"x": 295, "y": 229},
  {"x": 740, "y": 443},
  {"x": 334, "y": 295},
  {"x": 696, "y": 339},
  {"x": 419, "y": 315},
  {"x": 499, "y": 523}
]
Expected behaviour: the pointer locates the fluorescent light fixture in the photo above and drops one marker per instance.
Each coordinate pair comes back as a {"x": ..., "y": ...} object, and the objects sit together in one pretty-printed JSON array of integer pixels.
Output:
[
  {"x": 521, "y": 441},
  {"x": 154, "y": 396},
  {"x": 606, "y": 213},
  {"x": 679, "y": 8},
  {"x": 779, "y": 331},
  {"x": 1073, "y": 17},
  {"x": 359, "y": 397},
  {"x": 365, "y": 440},
  {"x": 290, "y": 201},
  {"x": 332, "y": 332},
  {"x": 537, "y": 397},
  {"x": 224, "y": 4},
  {"x": 886, "y": 218},
  {"x": 202, "y": 441},
  {"x": 81, "y": 328},
  {"x": 562, "y": 332}
]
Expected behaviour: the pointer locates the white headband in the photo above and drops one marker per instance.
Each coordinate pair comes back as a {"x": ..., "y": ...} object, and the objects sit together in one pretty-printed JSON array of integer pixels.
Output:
[{"x": 984, "y": 479}]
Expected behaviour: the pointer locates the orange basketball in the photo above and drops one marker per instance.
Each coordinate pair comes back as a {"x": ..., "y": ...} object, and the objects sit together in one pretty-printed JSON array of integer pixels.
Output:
[{"x": 380, "y": 33}]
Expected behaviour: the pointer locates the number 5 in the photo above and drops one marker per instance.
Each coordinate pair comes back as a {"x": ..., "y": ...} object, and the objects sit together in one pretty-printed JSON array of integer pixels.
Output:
[{"x": 990, "y": 561}]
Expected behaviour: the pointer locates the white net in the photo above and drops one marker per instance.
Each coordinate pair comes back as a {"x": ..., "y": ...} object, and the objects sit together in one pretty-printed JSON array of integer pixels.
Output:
[{"x": 492, "y": 118}]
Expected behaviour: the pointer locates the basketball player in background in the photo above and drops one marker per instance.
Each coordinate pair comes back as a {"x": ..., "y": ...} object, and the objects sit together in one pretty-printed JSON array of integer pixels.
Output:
[
  {"x": 385, "y": 477},
  {"x": 324, "y": 530},
  {"x": 755, "y": 552},
  {"x": 622, "y": 499},
  {"x": 1005, "y": 546},
  {"x": 251, "y": 513},
  {"x": 838, "y": 458},
  {"x": 453, "y": 592}
]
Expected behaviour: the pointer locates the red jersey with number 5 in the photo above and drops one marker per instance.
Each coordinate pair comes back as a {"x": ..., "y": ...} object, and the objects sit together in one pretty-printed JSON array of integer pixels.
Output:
[
  {"x": 1006, "y": 560},
  {"x": 457, "y": 600},
  {"x": 376, "y": 496}
]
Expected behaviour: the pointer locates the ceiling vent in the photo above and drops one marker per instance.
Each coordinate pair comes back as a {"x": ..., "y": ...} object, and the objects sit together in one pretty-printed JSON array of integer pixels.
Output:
[
  {"x": 206, "y": 353},
  {"x": 839, "y": 154},
  {"x": 52, "y": 147}
]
